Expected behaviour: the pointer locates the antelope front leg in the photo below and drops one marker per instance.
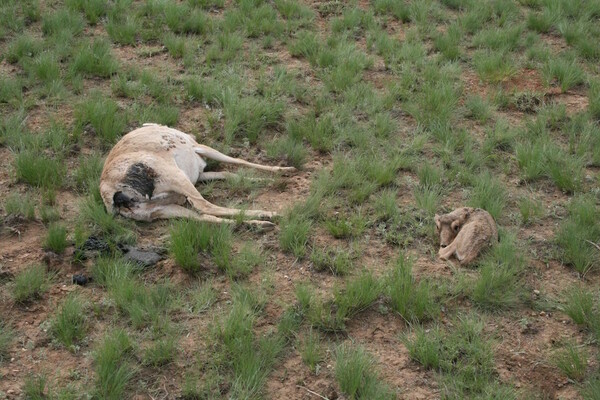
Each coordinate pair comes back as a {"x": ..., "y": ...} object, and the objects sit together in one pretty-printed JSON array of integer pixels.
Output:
[
  {"x": 177, "y": 211},
  {"x": 446, "y": 252}
]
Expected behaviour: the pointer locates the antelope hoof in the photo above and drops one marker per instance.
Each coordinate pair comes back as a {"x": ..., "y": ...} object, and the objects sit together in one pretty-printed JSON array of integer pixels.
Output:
[{"x": 261, "y": 225}]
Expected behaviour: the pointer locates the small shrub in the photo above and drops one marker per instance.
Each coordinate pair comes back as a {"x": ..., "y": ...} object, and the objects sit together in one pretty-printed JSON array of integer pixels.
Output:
[
  {"x": 581, "y": 306},
  {"x": 49, "y": 214},
  {"x": 385, "y": 205},
  {"x": 565, "y": 170},
  {"x": 30, "y": 283},
  {"x": 248, "y": 258},
  {"x": 143, "y": 306},
  {"x": 87, "y": 174},
  {"x": 531, "y": 158},
  {"x": 493, "y": 66},
  {"x": 594, "y": 100},
  {"x": 343, "y": 227},
  {"x": 188, "y": 238},
  {"x": 93, "y": 9},
  {"x": 427, "y": 198},
  {"x": 463, "y": 356},
  {"x": 93, "y": 215},
  {"x": 425, "y": 347},
  {"x": 11, "y": 91},
  {"x": 591, "y": 389},
  {"x": 448, "y": 44},
  {"x": 540, "y": 22}
]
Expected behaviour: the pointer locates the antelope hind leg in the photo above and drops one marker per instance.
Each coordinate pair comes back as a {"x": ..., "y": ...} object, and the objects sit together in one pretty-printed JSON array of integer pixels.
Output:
[
  {"x": 178, "y": 182},
  {"x": 213, "y": 154}
]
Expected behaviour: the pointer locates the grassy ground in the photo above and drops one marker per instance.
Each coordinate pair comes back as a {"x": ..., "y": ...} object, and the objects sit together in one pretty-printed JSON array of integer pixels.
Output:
[{"x": 392, "y": 111}]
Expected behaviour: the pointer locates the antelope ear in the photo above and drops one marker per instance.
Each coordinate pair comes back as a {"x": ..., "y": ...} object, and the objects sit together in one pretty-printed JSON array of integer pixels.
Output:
[
  {"x": 436, "y": 218},
  {"x": 455, "y": 225}
]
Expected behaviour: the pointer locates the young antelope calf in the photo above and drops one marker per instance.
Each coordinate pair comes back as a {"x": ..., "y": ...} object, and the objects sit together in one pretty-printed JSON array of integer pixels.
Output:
[{"x": 464, "y": 233}]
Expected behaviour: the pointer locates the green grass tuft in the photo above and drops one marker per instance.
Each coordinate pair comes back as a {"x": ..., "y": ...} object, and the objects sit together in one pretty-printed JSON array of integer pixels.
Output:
[
  {"x": 20, "y": 205},
  {"x": 95, "y": 59},
  {"x": 107, "y": 269},
  {"x": 189, "y": 238},
  {"x": 30, "y": 283},
  {"x": 56, "y": 239},
  {"x": 499, "y": 284},
  {"x": 463, "y": 355},
  {"x": 489, "y": 194},
  {"x": 39, "y": 170},
  {"x": 565, "y": 71},
  {"x": 34, "y": 387},
  {"x": 69, "y": 326},
  {"x": 310, "y": 349},
  {"x": 62, "y": 22},
  {"x": 356, "y": 375},
  {"x": 294, "y": 234},
  {"x": 123, "y": 29},
  {"x": 113, "y": 371},
  {"x": 573, "y": 362},
  {"x": 7, "y": 335},
  {"x": 103, "y": 115},
  {"x": 411, "y": 300},
  {"x": 161, "y": 353},
  {"x": 578, "y": 234}
]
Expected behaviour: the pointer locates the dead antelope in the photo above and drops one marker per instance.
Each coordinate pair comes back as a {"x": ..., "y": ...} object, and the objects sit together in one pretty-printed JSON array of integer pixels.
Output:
[
  {"x": 151, "y": 172},
  {"x": 465, "y": 232}
]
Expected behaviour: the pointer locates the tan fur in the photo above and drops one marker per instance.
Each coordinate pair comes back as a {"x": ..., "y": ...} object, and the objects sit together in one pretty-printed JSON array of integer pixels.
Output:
[
  {"x": 150, "y": 173},
  {"x": 464, "y": 232}
]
